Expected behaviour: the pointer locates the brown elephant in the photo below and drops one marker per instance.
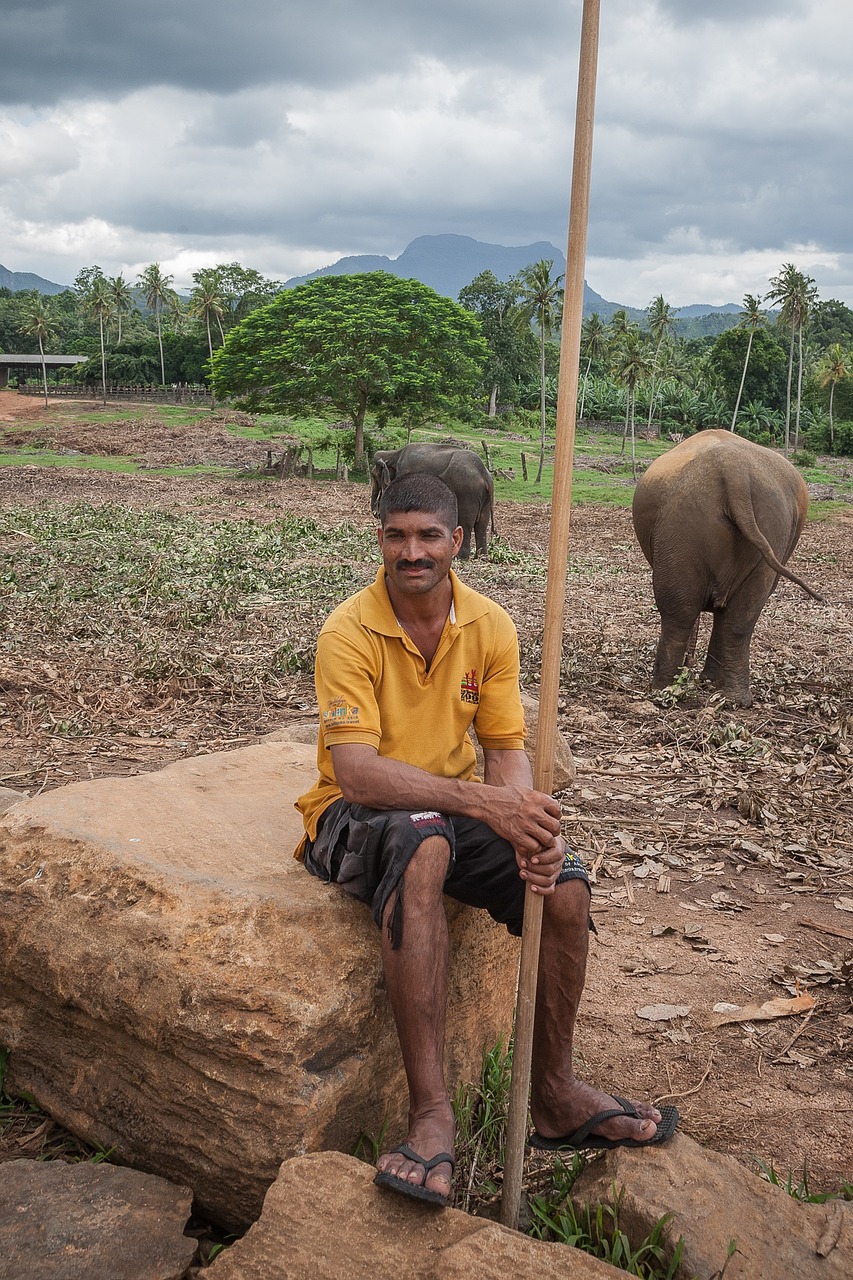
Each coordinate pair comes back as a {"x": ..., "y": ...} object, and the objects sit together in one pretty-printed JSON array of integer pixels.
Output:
[{"x": 717, "y": 517}]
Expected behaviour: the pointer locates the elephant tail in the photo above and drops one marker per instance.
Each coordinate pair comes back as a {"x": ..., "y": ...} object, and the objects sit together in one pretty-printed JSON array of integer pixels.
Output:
[{"x": 743, "y": 515}]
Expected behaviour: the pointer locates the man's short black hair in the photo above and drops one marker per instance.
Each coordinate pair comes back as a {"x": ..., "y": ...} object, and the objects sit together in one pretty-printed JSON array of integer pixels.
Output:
[{"x": 420, "y": 491}]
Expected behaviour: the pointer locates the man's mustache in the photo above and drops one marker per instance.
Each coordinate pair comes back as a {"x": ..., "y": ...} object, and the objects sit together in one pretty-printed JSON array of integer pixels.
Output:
[{"x": 416, "y": 564}]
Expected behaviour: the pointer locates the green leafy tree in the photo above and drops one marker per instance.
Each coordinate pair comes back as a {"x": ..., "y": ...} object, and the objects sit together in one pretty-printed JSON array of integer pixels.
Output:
[
  {"x": 511, "y": 345},
  {"x": 765, "y": 370},
  {"x": 541, "y": 303},
  {"x": 38, "y": 322},
  {"x": 796, "y": 294},
  {"x": 661, "y": 320},
  {"x": 367, "y": 342},
  {"x": 158, "y": 293},
  {"x": 241, "y": 290}
]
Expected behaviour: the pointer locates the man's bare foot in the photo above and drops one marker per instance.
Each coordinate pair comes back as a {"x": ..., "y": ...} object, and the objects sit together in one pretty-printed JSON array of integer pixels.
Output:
[
  {"x": 429, "y": 1134},
  {"x": 579, "y": 1102}
]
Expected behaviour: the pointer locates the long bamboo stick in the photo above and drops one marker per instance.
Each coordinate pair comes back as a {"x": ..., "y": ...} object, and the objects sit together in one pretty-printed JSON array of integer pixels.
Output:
[{"x": 555, "y": 594}]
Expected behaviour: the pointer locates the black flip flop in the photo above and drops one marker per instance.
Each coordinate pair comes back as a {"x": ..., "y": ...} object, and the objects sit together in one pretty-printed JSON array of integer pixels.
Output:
[
  {"x": 583, "y": 1139},
  {"x": 416, "y": 1190}
]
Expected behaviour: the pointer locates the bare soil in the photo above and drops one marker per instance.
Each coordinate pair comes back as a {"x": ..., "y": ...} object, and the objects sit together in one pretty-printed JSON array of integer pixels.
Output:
[{"x": 720, "y": 838}]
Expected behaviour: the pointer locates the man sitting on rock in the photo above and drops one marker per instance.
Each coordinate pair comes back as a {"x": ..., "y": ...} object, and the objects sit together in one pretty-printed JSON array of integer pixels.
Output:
[{"x": 397, "y": 819}]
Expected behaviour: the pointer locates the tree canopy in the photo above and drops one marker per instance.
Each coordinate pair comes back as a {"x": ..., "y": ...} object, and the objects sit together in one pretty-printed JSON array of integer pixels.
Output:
[{"x": 360, "y": 342}]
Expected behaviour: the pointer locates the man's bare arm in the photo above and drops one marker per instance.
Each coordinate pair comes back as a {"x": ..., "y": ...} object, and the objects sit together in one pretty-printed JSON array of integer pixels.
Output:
[{"x": 528, "y": 819}]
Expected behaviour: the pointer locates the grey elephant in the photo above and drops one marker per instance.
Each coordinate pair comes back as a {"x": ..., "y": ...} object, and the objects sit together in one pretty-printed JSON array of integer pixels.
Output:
[
  {"x": 717, "y": 517},
  {"x": 460, "y": 469}
]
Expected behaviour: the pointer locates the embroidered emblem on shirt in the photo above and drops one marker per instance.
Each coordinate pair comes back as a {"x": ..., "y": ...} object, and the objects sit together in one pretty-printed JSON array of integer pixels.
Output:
[
  {"x": 470, "y": 689},
  {"x": 339, "y": 714}
]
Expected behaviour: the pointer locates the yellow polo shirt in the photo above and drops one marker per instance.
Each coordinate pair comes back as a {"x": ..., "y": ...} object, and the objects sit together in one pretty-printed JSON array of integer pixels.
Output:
[{"x": 373, "y": 687}]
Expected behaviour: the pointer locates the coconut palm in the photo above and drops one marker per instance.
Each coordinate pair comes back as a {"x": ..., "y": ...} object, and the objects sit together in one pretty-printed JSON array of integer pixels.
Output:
[
  {"x": 206, "y": 301},
  {"x": 594, "y": 347},
  {"x": 834, "y": 366},
  {"x": 39, "y": 323},
  {"x": 96, "y": 298},
  {"x": 159, "y": 293},
  {"x": 121, "y": 296},
  {"x": 796, "y": 293},
  {"x": 661, "y": 322},
  {"x": 631, "y": 365},
  {"x": 751, "y": 318},
  {"x": 540, "y": 300}
]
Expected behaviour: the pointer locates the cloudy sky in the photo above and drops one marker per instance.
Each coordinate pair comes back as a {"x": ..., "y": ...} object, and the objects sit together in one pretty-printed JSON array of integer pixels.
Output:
[{"x": 283, "y": 135}]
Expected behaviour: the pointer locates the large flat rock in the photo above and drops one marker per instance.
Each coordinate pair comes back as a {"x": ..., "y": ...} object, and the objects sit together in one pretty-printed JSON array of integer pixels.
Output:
[
  {"x": 175, "y": 985},
  {"x": 715, "y": 1203},
  {"x": 324, "y": 1219},
  {"x": 90, "y": 1221}
]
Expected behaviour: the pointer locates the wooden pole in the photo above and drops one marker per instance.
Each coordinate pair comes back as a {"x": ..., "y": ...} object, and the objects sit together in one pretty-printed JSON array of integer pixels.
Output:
[{"x": 555, "y": 595}]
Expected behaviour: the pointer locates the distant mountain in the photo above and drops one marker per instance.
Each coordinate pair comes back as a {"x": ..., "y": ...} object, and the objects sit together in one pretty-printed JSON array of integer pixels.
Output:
[
  {"x": 18, "y": 281},
  {"x": 448, "y": 262}
]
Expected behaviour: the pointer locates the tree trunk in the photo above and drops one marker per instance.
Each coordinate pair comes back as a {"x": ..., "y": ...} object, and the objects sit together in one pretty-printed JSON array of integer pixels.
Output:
[
  {"x": 160, "y": 342},
  {"x": 103, "y": 358},
  {"x": 742, "y": 379},
  {"x": 541, "y": 402},
  {"x": 493, "y": 400},
  {"x": 583, "y": 388},
  {"x": 359, "y": 430},
  {"x": 799, "y": 389},
  {"x": 633, "y": 399},
  {"x": 44, "y": 375},
  {"x": 788, "y": 394},
  {"x": 831, "y": 432}
]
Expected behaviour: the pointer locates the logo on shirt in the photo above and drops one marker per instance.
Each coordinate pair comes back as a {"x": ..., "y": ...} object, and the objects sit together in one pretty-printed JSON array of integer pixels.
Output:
[
  {"x": 470, "y": 690},
  {"x": 339, "y": 713}
]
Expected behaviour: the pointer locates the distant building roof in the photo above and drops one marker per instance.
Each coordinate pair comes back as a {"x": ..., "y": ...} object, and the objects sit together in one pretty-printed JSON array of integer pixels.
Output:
[{"x": 52, "y": 361}]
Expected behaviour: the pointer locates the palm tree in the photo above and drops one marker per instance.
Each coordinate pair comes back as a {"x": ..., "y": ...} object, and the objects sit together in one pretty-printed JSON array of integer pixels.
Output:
[
  {"x": 630, "y": 366},
  {"x": 541, "y": 299},
  {"x": 833, "y": 368},
  {"x": 751, "y": 318},
  {"x": 121, "y": 296},
  {"x": 97, "y": 300},
  {"x": 661, "y": 322},
  {"x": 206, "y": 300},
  {"x": 797, "y": 294},
  {"x": 594, "y": 347},
  {"x": 39, "y": 323},
  {"x": 158, "y": 292}
]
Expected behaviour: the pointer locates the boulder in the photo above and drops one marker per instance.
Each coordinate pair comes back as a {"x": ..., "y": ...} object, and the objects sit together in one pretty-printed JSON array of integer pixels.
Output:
[
  {"x": 8, "y": 797},
  {"x": 715, "y": 1201},
  {"x": 79, "y": 1221},
  {"x": 323, "y": 1219},
  {"x": 175, "y": 986}
]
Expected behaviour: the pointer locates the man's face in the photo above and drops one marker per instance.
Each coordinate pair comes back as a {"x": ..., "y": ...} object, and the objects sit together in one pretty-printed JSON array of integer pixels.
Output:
[{"x": 417, "y": 548}]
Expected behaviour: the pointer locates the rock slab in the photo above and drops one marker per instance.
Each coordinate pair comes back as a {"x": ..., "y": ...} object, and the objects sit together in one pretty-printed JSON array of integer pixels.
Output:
[
  {"x": 323, "y": 1219},
  {"x": 86, "y": 1222},
  {"x": 176, "y": 987},
  {"x": 713, "y": 1201}
]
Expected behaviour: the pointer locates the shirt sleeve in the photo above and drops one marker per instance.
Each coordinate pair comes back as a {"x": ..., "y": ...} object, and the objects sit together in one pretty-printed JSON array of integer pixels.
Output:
[
  {"x": 344, "y": 677},
  {"x": 499, "y": 722}
]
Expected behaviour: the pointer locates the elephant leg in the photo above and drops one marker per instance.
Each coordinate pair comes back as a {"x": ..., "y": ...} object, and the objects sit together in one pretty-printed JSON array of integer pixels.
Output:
[
  {"x": 676, "y": 632},
  {"x": 727, "y": 660},
  {"x": 481, "y": 535}
]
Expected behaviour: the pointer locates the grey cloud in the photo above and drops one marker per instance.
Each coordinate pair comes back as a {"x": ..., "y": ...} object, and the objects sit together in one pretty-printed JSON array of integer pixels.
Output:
[
  {"x": 726, "y": 12},
  {"x": 106, "y": 48}
]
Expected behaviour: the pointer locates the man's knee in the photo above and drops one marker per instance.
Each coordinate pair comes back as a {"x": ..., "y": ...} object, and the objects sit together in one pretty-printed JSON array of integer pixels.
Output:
[{"x": 429, "y": 864}]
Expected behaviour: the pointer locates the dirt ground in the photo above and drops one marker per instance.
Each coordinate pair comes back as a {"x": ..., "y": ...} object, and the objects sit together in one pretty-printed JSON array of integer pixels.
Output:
[{"x": 720, "y": 838}]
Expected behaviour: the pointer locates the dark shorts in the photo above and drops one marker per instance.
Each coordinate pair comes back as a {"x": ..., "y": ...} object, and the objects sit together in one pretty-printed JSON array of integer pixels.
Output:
[{"x": 366, "y": 852}]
